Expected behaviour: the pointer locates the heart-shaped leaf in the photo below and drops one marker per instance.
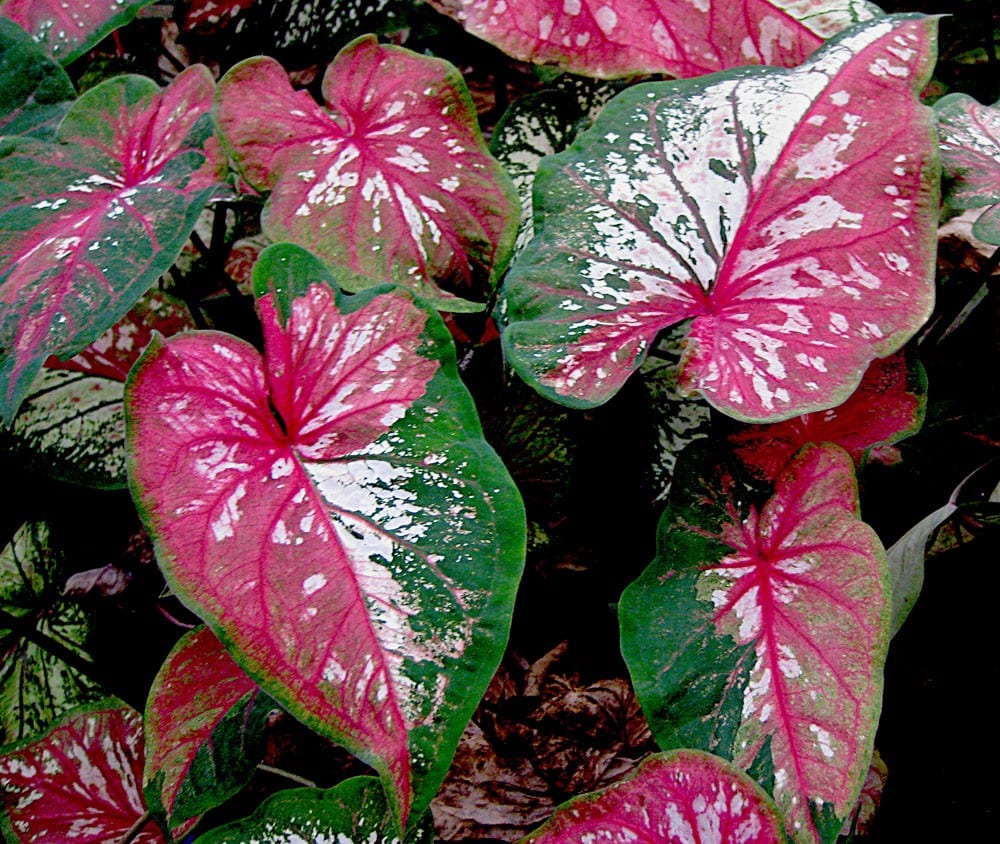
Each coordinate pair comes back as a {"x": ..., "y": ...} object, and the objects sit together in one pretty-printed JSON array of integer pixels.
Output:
[
  {"x": 353, "y": 812},
  {"x": 71, "y": 425},
  {"x": 799, "y": 241},
  {"x": 761, "y": 635},
  {"x": 333, "y": 513},
  {"x": 970, "y": 158},
  {"x": 34, "y": 90},
  {"x": 44, "y": 660},
  {"x": 90, "y": 223},
  {"x": 204, "y": 729},
  {"x": 888, "y": 406},
  {"x": 391, "y": 183},
  {"x": 66, "y": 30},
  {"x": 79, "y": 783},
  {"x": 608, "y": 38},
  {"x": 673, "y": 798}
]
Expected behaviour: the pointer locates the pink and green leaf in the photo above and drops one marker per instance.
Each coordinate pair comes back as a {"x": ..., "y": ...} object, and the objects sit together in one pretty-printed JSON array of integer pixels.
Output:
[
  {"x": 89, "y": 223},
  {"x": 353, "y": 812},
  {"x": 609, "y": 38},
  {"x": 79, "y": 783},
  {"x": 35, "y": 92},
  {"x": 333, "y": 512},
  {"x": 204, "y": 729},
  {"x": 71, "y": 425},
  {"x": 798, "y": 242},
  {"x": 390, "y": 182},
  {"x": 771, "y": 629},
  {"x": 44, "y": 639},
  {"x": 970, "y": 158},
  {"x": 66, "y": 30},
  {"x": 888, "y": 406},
  {"x": 673, "y": 798}
]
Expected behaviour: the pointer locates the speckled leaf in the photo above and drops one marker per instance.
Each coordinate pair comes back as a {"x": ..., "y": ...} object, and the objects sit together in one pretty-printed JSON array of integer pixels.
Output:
[
  {"x": 970, "y": 158},
  {"x": 770, "y": 629},
  {"x": 683, "y": 38},
  {"x": 212, "y": 15},
  {"x": 79, "y": 783},
  {"x": 332, "y": 511},
  {"x": 888, "y": 406},
  {"x": 204, "y": 729},
  {"x": 39, "y": 631},
  {"x": 353, "y": 812},
  {"x": 88, "y": 224},
  {"x": 798, "y": 241},
  {"x": 673, "y": 798},
  {"x": 71, "y": 425},
  {"x": 392, "y": 182},
  {"x": 35, "y": 92},
  {"x": 541, "y": 124},
  {"x": 66, "y": 29}
]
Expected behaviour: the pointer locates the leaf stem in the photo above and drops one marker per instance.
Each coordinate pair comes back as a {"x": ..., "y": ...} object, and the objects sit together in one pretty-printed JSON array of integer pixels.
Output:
[
  {"x": 136, "y": 828},
  {"x": 270, "y": 769}
]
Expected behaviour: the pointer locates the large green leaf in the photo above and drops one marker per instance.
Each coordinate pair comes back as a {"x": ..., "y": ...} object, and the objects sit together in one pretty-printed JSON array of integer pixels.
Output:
[
  {"x": 35, "y": 92},
  {"x": 760, "y": 634}
]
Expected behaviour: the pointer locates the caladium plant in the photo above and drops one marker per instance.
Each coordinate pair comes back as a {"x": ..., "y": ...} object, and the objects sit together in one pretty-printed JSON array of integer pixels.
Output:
[
  {"x": 698, "y": 201},
  {"x": 311, "y": 253}
]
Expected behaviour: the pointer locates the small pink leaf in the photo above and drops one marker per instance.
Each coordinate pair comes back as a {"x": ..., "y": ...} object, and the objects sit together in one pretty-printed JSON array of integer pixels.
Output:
[
  {"x": 197, "y": 687},
  {"x": 887, "y": 407},
  {"x": 771, "y": 629},
  {"x": 332, "y": 512},
  {"x": 392, "y": 182},
  {"x": 798, "y": 241},
  {"x": 79, "y": 783},
  {"x": 90, "y": 223},
  {"x": 608, "y": 38},
  {"x": 68, "y": 29},
  {"x": 673, "y": 798}
]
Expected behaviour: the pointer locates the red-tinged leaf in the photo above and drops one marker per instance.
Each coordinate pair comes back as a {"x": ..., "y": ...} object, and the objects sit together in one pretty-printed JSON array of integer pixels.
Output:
[
  {"x": 673, "y": 798},
  {"x": 333, "y": 513},
  {"x": 771, "y": 630},
  {"x": 970, "y": 158},
  {"x": 79, "y": 783},
  {"x": 609, "y": 38},
  {"x": 67, "y": 29},
  {"x": 798, "y": 241},
  {"x": 192, "y": 763},
  {"x": 71, "y": 425},
  {"x": 392, "y": 182},
  {"x": 888, "y": 406},
  {"x": 90, "y": 223},
  {"x": 205, "y": 16}
]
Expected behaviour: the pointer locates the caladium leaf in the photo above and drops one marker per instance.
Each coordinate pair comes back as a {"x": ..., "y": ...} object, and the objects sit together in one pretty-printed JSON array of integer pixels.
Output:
[
  {"x": 541, "y": 124},
  {"x": 34, "y": 90},
  {"x": 673, "y": 798},
  {"x": 66, "y": 30},
  {"x": 79, "y": 783},
  {"x": 71, "y": 425},
  {"x": 888, "y": 406},
  {"x": 204, "y": 729},
  {"x": 770, "y": 629},
  {"x": 90, "y": 223},
  {"x": 43, "y": 638},
  {"x": 970, "y": 158},
  {"x": 333, "y": 513},
  {"x": 799, "y": 241},
  {"x": 392, "y": 182},
  {"x": 606, "y": 38},
  {"x": 353, "y": 812}
]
